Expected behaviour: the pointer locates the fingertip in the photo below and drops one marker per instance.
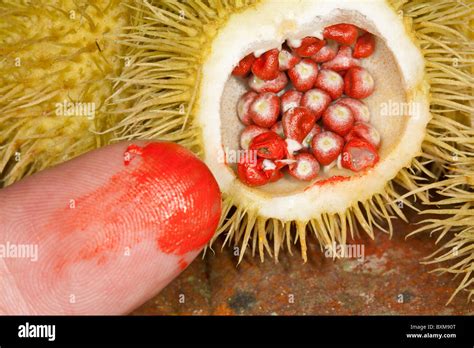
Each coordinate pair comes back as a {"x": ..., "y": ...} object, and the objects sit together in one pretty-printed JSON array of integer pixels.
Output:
[{"x": 112, "y": 231}]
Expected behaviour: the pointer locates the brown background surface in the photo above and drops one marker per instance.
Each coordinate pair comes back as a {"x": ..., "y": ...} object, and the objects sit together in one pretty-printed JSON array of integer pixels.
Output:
[{"x": 215, "y": 285}]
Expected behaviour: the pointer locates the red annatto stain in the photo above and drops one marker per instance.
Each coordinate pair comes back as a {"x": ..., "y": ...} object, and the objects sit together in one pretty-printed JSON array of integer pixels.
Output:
[
  {"x": 166, "y": 196},
  {"x": 189, "y": 187},
  {"x": 332, "y": 180},
  {"x": 182, "y": 264},
  {"x": 130, "y": 153}
]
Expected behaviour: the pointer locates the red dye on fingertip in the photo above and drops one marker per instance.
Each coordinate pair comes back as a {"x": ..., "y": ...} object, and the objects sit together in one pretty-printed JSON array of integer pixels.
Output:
[
  {"x": 190, "y": 206},
  {"x": 169, "y": 198},
  {"x": 130, "y": 153},
  {"x": 182, "y": 264}
]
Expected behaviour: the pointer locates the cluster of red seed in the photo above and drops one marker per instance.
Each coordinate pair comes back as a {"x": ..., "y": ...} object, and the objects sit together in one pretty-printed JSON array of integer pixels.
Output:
[{"x": 316, "y": 120}]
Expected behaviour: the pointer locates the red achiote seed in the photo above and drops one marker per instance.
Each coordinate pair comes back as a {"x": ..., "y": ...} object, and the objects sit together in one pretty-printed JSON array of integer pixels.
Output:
[
  {"x": 287, "y": 60},
  {"x": 265, "y": 109},
  {"x": 292, "y": 147},
  {"x": 326, "y": 53},
  {"x": 303, "y": 75},
  {"x": 275, "y": 175},
  {"x": 268, "y": 145},
  {"x": 316, "y": 101},
  {"x": 364, "y": 131},
  {"x": 306, "y": 167},
  {"x": 359, "y": 155},
  {"x": 307, "y": 140},
  {"x": 287, "y": 161},
  {"x": 342, "y": 61},
  {"x": 342, "y": 73},
  {"x": 290, "y": 99},
  {"x": 272, "y": 170},
  {"x": 330, "y": 82},
  {"x": 249, "y": 133},
  {"x": 273, "y": 86},
  {"x": 358, "y": 83},
  {"x": 243, "y": 107},
  {"x": 343, "y": 33},
  {"x": 244, "y": 66},
  {"x": 250, "y": 172},
  {"x": 360, "y": 111},
  {"x": 297, "y": 123},
  {"x": 338, "y": 119},
  {"x": 336, "y": 163},
  {"x": 309, "y": 46},
  {"x": 266, "y": 67},
  {"x": 364, "y": 46},
  {"x": 326, "y": 147},
  {"x": 278, "y": 129}
]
